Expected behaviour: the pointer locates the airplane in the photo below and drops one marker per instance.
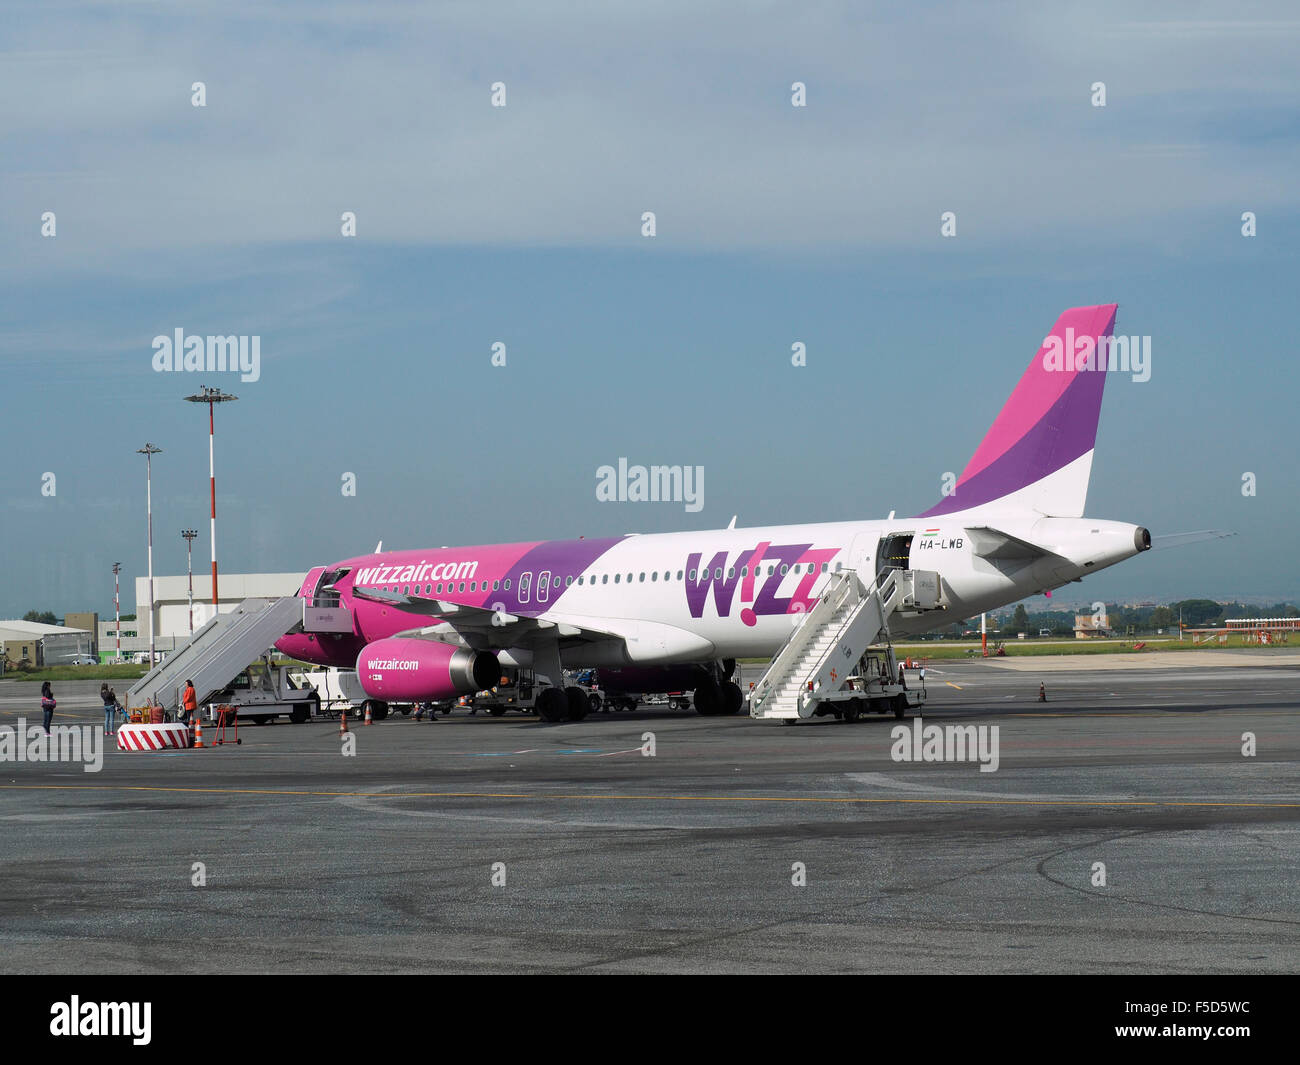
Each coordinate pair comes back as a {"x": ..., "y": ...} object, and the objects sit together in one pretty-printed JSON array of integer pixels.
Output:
[{"x": 433, "y": 624}]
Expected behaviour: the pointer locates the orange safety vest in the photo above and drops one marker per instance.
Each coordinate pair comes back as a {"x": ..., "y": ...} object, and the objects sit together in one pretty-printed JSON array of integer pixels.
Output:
[{"x": 190, "y": 700}]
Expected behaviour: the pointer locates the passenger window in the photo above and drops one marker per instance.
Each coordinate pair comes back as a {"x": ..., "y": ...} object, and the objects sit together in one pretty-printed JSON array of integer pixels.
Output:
[
  {"x": 679, "y": 575},
  {"x": 717, "y": 573},
  {"x": 692, "y": 575},
  {"x": 568, "y": 581},
  {"x": 507, "y": 584},
  {"x": 462, "y": 586},
  {"x": 616, "y": 577},
  {"x": 654, "y": 575},
  {"x": 440, "y": 589},
  {"x": 642, "y": 577},
  {"x": 496, "y": 586},
  {"x": 783, "y": 570}
]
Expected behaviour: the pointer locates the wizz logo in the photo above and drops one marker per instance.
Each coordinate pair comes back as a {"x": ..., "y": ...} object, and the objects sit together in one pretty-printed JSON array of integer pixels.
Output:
[{"x": 725, "y": 576}]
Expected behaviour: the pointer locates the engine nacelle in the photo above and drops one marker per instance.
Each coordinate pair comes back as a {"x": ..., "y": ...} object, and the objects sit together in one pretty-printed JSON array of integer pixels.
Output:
[{"x": 404, "y": 670}]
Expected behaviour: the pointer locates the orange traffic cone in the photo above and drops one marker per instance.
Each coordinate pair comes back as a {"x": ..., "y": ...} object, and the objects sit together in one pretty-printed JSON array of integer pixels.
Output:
[
  {"x": 198, "y": 730},
  {"x": 343, "y": 722},
  {"x": 367, "y": 721}
]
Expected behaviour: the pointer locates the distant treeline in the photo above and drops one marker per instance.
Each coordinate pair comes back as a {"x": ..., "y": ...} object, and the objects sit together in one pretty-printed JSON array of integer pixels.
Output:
[{"x": 1139, "y": 620}]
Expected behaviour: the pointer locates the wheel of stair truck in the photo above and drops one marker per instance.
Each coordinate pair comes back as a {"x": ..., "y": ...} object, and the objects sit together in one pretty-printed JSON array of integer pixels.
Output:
[
  {"x": 552, "y": 705},
  {"x": 304, "y": 710},
  {"x": 900, "y": 705},
  {"x": 578, "y": 704},
  {"x": 593, "y": 702},
  {"x": 732, "y": 698},
  {"x": 378, "y": 710},
  {"x": 708, "y": 697},
  {"x": 497, "y": 710},
  {"x": 851, "y": 711}
]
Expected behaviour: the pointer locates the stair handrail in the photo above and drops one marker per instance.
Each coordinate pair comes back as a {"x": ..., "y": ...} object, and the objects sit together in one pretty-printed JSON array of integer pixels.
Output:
[
  {"x": 881, "y": 590},
  {"x": 831, "y": 600}
]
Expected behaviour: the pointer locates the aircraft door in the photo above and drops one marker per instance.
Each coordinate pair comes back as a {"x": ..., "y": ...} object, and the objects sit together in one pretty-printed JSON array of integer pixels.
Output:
[
  {"x": 859, "y": 555},
  {"x": 894, "y": 552}
]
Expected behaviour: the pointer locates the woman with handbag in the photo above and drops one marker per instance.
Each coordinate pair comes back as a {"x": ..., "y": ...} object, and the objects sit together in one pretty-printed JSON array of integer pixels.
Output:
[{"x": 47, "y": 704}]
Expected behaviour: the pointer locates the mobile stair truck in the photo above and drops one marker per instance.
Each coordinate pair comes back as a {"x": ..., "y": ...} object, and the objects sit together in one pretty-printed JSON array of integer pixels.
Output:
[
  {"x": 222, "y": 649},
  {"x": 839, "y": 660},
  {"x": 262, "y": 692}
]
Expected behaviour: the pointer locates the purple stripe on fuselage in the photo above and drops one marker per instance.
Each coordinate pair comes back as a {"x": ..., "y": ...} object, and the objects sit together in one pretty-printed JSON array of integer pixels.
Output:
[
  {"x": 1066, "y": 431},
  {"x": 559, "y": 558}
]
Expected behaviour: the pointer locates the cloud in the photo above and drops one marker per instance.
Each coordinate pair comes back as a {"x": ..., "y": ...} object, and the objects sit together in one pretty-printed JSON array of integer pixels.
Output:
[{"x": 613, "y": 110}]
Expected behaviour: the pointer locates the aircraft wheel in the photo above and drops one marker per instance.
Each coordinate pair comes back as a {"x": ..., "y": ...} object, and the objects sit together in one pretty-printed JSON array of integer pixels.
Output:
[
  {"x": 577, "y": 703},
  {"x": 708, "y": 698},
  {"x": 552, "y": 705},
  {"x": 732, "y": 698}
]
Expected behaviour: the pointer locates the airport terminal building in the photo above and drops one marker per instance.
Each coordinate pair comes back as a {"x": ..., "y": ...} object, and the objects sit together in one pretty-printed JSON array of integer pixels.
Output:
[{"x": 171, "y": 613}]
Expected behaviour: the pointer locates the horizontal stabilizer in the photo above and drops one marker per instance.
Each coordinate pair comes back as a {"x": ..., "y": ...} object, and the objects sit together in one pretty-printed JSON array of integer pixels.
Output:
[{"x": 994, "y": 544}]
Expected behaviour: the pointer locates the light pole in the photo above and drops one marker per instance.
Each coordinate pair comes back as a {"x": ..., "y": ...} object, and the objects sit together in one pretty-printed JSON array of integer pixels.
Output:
[
  {"x": 149, "y": 451},
  {"x": 189, "y": 535},
  {"x": 117, "y": 610},
  {"x": 210, "y": 396}
]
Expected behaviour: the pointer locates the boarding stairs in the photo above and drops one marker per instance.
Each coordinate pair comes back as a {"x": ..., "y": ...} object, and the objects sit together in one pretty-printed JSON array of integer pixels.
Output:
[
  {"x": 217, "y": 652},
  {"x": 821, "y": 653}
]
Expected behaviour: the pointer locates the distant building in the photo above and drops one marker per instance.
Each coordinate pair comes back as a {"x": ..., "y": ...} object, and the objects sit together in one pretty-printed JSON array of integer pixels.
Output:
[
  {"x": 88, "y": 622},
  {"x": 1091, "y": 626},
  {"x": 171, "y": 603},
  {"x": 39, "y": 644}
]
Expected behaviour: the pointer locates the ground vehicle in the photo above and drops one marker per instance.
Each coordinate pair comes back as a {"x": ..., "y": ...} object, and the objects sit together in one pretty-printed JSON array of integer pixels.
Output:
[
  {"x": 262, "y": 692},
  {"x": 340, "y": 692},
  {"x": 876, "y": 685}
]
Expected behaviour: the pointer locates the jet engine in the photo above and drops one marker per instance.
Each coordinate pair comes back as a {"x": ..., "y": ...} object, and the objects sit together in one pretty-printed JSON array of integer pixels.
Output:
[{"x": 406, "y": 670}]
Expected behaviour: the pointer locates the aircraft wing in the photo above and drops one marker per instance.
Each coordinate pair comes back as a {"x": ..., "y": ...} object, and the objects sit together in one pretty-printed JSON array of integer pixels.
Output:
[{"x": 479, "y": 626}]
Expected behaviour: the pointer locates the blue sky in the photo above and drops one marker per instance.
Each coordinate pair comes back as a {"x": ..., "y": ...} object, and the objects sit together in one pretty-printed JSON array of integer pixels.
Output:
[{"x": 522, "y": 225}]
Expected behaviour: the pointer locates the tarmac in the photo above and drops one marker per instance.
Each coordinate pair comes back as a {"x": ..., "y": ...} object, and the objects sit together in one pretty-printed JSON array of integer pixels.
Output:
[{"x": 478, "y": 844}]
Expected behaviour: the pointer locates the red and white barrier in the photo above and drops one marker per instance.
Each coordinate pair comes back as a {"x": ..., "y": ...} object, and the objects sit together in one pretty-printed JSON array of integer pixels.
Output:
[{"x": 152, "y": 737}]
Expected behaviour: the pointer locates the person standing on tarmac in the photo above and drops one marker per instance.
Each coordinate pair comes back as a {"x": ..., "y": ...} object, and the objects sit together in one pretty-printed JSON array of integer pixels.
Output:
[
  {"x": 189, "y": 701},
  {"x": 110, "y": 707},
  {"x": 47, "y": 704}
]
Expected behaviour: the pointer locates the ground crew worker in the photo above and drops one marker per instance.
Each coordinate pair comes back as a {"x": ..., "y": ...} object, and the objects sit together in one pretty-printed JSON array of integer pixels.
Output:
[
  {"x": 1042, "y": 692},
  {"x": 189, "y": 701}
]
